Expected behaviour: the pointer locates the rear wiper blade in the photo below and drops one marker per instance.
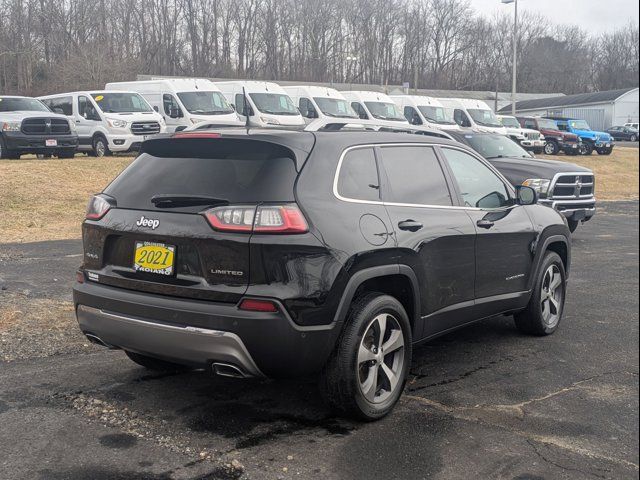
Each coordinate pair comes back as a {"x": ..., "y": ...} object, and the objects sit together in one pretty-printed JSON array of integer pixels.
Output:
[{"x": 176, "y": 199}]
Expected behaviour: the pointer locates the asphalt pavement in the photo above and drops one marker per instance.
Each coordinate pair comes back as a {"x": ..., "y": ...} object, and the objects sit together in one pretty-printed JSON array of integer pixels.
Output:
[{"x": 483, "y": 402}]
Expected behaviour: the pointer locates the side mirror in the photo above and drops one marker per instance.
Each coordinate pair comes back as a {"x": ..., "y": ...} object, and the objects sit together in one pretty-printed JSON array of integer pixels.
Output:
[
  {"x": 174, "y": 112},
  {"x": 155, "y": 108},
  {"x": 416, "y": 120},
  {"x": 526, "y": 195},
  {"x": 312, "y": 114}
]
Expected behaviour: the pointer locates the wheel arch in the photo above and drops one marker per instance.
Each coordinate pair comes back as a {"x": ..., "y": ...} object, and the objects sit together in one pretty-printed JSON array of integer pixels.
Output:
[
  {"x": 399, "y": 281},
  {"x": 554, "y": 243}
]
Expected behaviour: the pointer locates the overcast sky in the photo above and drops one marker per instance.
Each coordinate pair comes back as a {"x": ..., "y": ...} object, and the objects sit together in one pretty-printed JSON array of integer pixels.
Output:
[{"x": 595, "y": 15}]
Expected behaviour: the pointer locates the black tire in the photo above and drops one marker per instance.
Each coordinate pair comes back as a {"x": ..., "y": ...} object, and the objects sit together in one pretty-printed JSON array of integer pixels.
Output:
[
  {"x": 586, "y": 148},
  {"x": 605, "y": 151},
  {"x": 572, "y": 152},
  {"x": 573, "y": 225},
  {"x": 155, "y": 364},
  {"x": 67, "y": 153},
  {"x": 551, "y": 148},
  {"x": 531, "y": 320},
  {"x": 538, "y": 151},
  {"x": 633, "y": 138},
  {"x": 5, "y": 152},
  {"x": 344, "y": 376},
  {"x": 100, "y": 146}
]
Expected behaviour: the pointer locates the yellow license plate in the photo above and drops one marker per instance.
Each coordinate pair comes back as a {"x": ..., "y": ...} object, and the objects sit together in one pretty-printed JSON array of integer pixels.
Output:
[{"x": 153, "y": 257}]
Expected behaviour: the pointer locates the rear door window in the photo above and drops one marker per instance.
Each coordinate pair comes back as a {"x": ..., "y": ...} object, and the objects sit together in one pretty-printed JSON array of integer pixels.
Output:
[
  {"x": 415, "y": 176},
  {"x": 358, "y": 176}
]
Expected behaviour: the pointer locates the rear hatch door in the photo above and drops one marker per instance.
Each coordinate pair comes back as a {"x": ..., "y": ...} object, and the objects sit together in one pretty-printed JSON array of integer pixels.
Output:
[{"x": 156, "y": 238}]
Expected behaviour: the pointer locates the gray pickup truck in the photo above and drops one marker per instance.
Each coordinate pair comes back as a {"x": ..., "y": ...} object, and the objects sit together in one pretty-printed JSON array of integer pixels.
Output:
[
  {"x": 565, "y": 187},
  {"x": 28, "y": 126}
]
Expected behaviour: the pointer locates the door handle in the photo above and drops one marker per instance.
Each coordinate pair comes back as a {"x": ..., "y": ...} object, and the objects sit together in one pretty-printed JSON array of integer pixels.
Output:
[
  {"x": 410, "y": 225},
  {"x": 485, "y": 223},
  {"x": 77, "y": 121}
]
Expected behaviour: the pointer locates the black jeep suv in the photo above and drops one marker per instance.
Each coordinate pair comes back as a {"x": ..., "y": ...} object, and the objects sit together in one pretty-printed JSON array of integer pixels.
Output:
[{"x": 282, "y": 253}]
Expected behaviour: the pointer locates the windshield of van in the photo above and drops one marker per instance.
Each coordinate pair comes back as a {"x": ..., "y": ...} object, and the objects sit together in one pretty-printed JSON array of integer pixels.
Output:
[
  {"x": 11, "y": 104},
  {"x": 496, "y": 146},
  {"x": 125, "y": 102},
  {"x": 385, "y": 111},
  {"x": 547, "y": 124},
  {"x": 335, "y": 107},
  {"x": 274, "y": 103},
  {"x": 439, "y": 115},
  {"x": 509, "y": 122},
  {"x": 484, "y": 117},
  {"x": 579, "y": 125},
  {"x": 205, "y": 103}
]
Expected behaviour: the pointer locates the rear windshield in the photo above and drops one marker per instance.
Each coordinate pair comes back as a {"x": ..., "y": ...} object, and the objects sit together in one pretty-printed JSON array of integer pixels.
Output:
[{"x": 230, "y": 171}]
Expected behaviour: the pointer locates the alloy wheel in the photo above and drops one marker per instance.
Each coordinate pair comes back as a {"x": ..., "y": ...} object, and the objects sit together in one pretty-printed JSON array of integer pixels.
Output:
[
  {"x": 549, "y": 148},
  {"x": 551, "y": 296},
  {"x": 381, "y": 358}
]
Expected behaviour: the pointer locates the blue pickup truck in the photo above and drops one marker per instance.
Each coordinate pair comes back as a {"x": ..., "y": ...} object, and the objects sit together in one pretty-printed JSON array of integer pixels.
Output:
[{"x": 601, "y": 142}]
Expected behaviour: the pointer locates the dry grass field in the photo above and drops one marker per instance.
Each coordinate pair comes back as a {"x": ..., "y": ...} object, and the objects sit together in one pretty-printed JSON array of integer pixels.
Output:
[
  {"x": 46, "y": 199},
  {"x": 616, "y": 175}
]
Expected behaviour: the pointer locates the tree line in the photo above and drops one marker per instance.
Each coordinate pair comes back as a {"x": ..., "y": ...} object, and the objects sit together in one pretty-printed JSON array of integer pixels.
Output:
[{"x": 49, "y": 46}]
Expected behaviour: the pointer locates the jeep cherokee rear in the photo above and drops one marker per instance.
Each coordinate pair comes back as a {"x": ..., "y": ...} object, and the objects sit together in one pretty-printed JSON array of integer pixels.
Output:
[{"x": 282, "y": 253}]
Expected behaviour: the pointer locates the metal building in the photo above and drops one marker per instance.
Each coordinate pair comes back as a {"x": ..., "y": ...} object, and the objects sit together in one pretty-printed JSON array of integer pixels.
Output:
[{"x": 601, "y": 110}]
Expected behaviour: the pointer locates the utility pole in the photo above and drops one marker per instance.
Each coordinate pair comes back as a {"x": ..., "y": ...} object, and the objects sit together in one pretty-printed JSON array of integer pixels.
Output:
[{"x": 515, "y": 55}]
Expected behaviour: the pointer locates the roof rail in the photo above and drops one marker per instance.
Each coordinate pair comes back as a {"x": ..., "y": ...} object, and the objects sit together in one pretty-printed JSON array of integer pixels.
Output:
[{"x": 335, "y": 125}]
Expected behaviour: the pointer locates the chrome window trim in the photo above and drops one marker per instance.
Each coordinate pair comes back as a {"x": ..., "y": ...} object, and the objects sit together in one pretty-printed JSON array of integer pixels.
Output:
[{"x": 336, "y": 193}]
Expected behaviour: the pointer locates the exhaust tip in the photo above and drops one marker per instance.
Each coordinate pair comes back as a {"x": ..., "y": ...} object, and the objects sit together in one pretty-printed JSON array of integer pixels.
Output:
[
  {"x": 229, "y": 370},
  {"x": 98, "y": 341}
]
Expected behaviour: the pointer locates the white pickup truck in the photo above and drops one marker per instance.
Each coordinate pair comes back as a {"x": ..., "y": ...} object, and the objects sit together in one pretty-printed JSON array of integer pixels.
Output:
[
  {"x": 28, "y": 126},
  {"x": 525, "y": 137}
]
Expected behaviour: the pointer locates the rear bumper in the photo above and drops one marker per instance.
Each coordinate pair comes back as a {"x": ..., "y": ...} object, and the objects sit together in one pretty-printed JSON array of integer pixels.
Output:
[
  {"x": 22, "y": 143},
  {"x": 201, "y": 333},
  {"x": 190, "y": 345}
]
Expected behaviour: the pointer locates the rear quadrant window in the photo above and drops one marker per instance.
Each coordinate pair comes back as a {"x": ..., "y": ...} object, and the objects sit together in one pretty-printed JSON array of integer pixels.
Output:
[
  {"x": 415, "y": 176},
  {"x": 358, "y": 178}
]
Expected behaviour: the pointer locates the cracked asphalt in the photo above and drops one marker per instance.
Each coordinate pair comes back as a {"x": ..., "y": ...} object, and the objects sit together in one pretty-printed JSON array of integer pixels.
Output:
[{"x": 483, "y": 402}]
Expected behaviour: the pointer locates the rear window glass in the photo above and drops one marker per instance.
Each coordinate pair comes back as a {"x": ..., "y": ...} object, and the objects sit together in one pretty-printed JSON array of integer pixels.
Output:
[
  {"x": 415, "y": 176},
  {"x": 235, "y": 171},
  {"x": 359, "y": 176}
]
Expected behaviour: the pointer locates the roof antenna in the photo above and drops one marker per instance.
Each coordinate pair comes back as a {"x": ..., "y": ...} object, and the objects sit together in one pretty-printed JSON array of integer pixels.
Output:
[{"x": 246, "y": 108}]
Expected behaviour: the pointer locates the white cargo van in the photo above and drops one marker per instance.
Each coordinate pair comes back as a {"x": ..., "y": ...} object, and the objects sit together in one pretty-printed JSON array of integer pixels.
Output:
[
  {"x": 320, "y": 102},
  {"x": 183, "y": 102},
  {"x": 375, "y": 106},
  {"x": 474, "y": 114},
  {"x": 428, "y": 111},
  {"x": 108, "y": 121},
  {"x": 268, "y": 103}
]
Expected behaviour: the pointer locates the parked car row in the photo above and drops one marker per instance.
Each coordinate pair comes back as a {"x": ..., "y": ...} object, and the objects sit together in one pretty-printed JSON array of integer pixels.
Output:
[{"x": 124, "y": 114}]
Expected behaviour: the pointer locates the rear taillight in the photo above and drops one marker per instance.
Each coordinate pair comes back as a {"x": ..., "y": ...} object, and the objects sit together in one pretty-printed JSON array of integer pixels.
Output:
[
  {"x": 98, "y": 207},
  {"x": 262, "y": 219}
]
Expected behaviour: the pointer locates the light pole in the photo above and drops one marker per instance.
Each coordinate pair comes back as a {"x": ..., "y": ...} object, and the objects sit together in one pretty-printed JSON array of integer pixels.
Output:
[{"x": 515, "y": 55}]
